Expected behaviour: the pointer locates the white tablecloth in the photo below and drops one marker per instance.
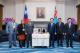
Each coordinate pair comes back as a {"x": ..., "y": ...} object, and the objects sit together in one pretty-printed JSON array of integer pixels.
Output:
[{"x": 40, "y": 39}]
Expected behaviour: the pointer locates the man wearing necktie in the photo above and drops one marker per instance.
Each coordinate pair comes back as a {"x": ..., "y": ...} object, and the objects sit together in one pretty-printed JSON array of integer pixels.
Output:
[
  {"x": 29, "y": 30},
  {"x": 60, "y": 32},
  {"x": 69, "y": 32},
  {"x": 51, "y": 30}
]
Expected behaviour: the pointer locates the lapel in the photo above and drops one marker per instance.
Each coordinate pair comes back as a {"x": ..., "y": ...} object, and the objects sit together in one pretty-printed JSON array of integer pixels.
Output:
[
  {"x": 68, "y": 25},
  {"x": 60, "y": 24},
  {"x": 50, "y": 25}
]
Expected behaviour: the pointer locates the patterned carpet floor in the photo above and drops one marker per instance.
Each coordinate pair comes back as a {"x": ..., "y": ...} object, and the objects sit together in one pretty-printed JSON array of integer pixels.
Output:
[{"x": 4, "y": 49}]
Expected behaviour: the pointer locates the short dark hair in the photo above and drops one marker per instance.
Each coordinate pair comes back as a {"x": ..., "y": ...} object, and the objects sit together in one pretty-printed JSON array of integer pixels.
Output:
[
  {"x": 69, "y": 18},
  {"x": 51, "y": 18}
]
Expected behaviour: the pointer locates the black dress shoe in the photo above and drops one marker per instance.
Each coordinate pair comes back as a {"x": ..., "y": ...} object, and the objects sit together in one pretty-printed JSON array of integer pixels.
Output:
[
  {"x": 15, "y": 46},
  {"x": 21, "y": 47},
  {"x": 53, "y": 46},
  {"x": 10, "y": 46},
  {"x": 27, "y": 46},
  {"x": 71, "y": 46},
  {"x": 61, "y": 45},
  {"x": 67, "y": 46},
  {"x": 58, "y": 45}
]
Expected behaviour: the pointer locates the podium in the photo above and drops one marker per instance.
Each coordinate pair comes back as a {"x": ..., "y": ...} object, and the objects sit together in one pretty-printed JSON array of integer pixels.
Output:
[{"x": 40, "y": 39}]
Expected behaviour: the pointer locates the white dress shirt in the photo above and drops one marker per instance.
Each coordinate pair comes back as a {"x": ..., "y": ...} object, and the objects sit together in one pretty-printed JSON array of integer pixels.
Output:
[{"x": 69, "y": 25}]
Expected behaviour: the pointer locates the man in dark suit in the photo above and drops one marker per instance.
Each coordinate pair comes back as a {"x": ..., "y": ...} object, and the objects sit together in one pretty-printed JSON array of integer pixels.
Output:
[
  {"x": 60, "y": 32},
  {"x": 69, "y": 32},
  {"x": 51, "y": 30},
  {"x": 29, "y": 30}
]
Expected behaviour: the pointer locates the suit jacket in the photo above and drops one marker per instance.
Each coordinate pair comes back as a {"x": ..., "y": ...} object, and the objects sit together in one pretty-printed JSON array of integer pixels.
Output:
[
  {"x": 69, "y": 30},
  {"x": 28, "y": 29},
  {"x": 60, "y": 29},
  {"x": 9, "y": 27},
  {"x": 51, "y": 29},
  {"x": 21, "y": 29}
]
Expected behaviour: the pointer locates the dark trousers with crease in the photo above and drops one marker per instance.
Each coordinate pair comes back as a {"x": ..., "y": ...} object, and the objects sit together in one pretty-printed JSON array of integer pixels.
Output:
[
  {"x": 69, "y": 40},
  {"x": 60, "y": 39},
  {"x": 51, "y": 40},
  {"x": 29, "y": 40},
  {"x": 21, "y": 43}
]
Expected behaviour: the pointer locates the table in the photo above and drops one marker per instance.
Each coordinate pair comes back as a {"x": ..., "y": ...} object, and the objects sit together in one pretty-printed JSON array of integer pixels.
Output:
[{"x": 40, "y": 39}]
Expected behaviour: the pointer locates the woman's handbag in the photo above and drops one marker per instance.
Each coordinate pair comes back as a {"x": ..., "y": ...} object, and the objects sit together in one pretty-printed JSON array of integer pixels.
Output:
[{"x": 21, "y": 37}]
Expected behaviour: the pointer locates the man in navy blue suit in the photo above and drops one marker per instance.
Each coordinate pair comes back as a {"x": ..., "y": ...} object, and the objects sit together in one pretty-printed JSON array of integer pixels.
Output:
[
  {"x": 60, "y": 32},
  {"x": 69, "y": 32},
  {"x": 51, "y": 30},
  {"x": 29, "y": 30}
]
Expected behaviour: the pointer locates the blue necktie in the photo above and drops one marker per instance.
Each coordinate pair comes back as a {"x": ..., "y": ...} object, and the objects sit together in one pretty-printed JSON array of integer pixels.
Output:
[{"x": 51, "y": 25}]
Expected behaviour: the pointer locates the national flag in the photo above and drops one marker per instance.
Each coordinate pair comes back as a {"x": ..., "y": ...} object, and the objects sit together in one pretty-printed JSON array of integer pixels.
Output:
[
  {"x": 55, "y": 16},
  {"x": 55, "y": 13},
  {"x": 26, "y": 20}
]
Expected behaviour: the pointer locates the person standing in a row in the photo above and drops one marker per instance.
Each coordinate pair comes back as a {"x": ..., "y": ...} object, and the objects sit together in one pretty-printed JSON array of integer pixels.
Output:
[
  {"x": 60, "y": 29},
  {"x": 21, "y": 34},
  {"x": 51, "y": 30},
  {"x": 60, "y": 32},
  {"x": 11, "y": 30},
  {"x": 29, "y": 30},
  {"x": 69, "y": 32}
]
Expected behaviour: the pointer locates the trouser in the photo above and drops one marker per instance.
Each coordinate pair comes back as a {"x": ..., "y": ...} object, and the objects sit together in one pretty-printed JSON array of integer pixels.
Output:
[
  {"x": 51, "y": 40},
  {"x": 60, "y": 39},
  {"x": 29, "y": 40},
  {"x": 21, "y": 43},
  {"x": 79, "y": 38},
  {"x": 12, "y": 39},
  {"x": 69, "y": 40}
]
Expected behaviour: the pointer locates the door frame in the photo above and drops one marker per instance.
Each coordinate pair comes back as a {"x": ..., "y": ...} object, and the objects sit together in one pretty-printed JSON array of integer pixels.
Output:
[
  {"x": 1, "y": 17},
  {"x": 78, "y": 15}
]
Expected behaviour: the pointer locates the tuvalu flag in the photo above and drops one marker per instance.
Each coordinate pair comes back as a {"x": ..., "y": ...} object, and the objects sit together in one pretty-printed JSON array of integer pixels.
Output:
[
  {"x": 55, "y": 13},
  {"x": 55, "y": 16},
  {"x": 26, "y": 20}
]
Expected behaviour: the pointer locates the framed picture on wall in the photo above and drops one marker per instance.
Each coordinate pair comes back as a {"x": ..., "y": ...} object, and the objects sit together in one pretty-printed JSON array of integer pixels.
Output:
[{"x": 40, "y": 11}]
